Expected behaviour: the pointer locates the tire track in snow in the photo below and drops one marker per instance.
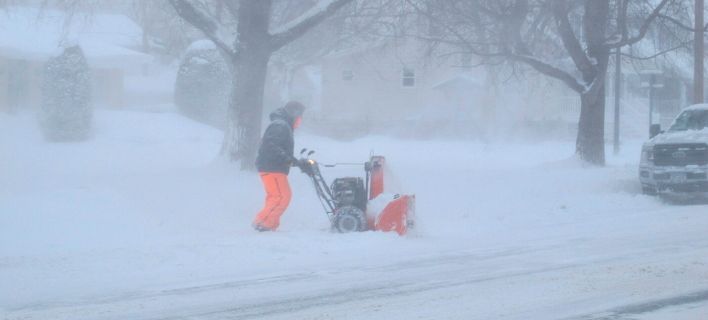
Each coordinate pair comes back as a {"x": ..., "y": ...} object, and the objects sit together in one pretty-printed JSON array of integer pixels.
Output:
[
  {"x": 436, "y": 279},
  {"x": 100, "y": 307},
  {"x": 334, "y": 288},
  {"x": 647, "y": 307},
  {"x": 284, "y": 306}
]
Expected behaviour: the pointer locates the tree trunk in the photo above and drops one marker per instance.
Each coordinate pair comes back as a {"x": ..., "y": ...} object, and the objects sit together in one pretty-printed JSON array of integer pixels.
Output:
[
  {"x": 250, "y": 63},
  {"x": 590, "y": 143},
  {"x": 246, "y": 109},
  {"x": 248, "y": 59}
]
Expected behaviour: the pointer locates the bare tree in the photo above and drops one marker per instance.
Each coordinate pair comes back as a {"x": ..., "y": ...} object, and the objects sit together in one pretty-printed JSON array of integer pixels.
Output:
[
  {"x": 365, "y": 23},
  {"x": 164, "y": 32},
  {"x": 249, "y": 53},
  {"x": 681, "y": 21},
  {"x": 543, "y": 34}
]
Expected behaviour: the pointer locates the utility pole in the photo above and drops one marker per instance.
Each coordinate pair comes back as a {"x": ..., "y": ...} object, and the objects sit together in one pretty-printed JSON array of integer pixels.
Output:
[
  {"x": 618, "y": 78},
  {"x": 698, "y": 53},
  {"x": 651, "y": 100},
  {"x": 651, "y": 80}
]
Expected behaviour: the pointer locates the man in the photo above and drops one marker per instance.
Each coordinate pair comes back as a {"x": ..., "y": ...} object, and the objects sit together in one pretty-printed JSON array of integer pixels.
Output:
[{"x": 275, "y": 156}]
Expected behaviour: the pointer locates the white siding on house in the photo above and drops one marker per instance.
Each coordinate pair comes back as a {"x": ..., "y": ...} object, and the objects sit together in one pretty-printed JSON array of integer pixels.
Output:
[
  {"x": 396, "y": 87},
  {"x": 371, "y": 83}
]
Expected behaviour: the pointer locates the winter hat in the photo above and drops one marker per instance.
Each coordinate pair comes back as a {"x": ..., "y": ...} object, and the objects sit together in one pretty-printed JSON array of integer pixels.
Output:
[{"x": 294, "y": 109}]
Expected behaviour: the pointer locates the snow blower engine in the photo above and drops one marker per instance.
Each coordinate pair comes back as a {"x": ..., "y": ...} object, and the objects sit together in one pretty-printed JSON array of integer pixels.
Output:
[{"x": 356, "y": 204}]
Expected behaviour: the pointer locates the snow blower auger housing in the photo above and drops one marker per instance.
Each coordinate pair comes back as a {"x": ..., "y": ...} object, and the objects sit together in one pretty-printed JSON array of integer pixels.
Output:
[{"x": 347, "y": 200}]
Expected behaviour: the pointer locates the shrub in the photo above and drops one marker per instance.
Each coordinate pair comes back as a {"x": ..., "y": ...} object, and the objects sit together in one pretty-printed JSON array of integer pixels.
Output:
[
  {"x": 66, "y": 113},
  {"x": 203, "y": 85}
]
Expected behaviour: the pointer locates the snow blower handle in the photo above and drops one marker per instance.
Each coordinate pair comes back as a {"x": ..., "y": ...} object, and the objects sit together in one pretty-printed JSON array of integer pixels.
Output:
[
  {"x": 302, "y": 153},
  {"x": 343, "y": 164},
  {"x": 304, "y": 163}
]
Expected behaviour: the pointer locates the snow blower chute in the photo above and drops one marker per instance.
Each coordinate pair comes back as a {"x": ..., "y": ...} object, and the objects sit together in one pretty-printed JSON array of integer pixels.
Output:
[{"x": 356, "y": 204}]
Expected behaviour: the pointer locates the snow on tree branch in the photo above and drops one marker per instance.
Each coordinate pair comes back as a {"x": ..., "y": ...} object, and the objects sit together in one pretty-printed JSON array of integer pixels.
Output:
[
  {"x": 201, "y": 21},
  {"x": 296, "y": 28}
]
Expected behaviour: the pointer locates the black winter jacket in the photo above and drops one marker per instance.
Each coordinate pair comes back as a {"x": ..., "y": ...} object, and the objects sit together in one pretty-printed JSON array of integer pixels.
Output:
[{"x": 275, "y": 153}]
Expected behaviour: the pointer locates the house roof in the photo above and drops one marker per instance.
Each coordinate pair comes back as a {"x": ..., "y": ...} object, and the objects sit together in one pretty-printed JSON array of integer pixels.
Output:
[
  {"x": 357, "y": 49},
  {"x": 459, "y": 81},
  {"x": 33, "y": 34}
]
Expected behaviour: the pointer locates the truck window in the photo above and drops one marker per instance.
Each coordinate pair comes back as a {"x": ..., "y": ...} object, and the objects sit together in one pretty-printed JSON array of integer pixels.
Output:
[{"x": 690, "y": 120}]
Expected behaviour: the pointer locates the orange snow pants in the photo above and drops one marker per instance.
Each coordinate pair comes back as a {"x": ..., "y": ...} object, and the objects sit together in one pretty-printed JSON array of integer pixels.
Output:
[{"x": 277, "y": 199}]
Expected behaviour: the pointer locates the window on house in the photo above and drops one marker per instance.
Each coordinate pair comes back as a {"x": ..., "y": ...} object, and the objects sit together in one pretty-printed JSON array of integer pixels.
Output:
[
  {"x": 408, "y": 77},
  {"x": 347, "y": 75}
]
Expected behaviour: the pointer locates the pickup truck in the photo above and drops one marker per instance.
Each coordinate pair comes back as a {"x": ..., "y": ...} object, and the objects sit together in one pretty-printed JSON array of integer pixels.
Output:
[{"x": 676, "y": 161}]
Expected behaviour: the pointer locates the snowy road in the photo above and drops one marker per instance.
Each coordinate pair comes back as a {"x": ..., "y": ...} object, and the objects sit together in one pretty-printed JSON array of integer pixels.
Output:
[
  {"x": 140, "y": 223},
  {"x": 519, "y": 283}
]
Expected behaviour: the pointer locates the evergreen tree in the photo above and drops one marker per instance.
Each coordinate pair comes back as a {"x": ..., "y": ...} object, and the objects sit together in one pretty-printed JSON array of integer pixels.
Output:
[
  {"x": 66, "y": 113},
  {"x": 203, "y": 85}
]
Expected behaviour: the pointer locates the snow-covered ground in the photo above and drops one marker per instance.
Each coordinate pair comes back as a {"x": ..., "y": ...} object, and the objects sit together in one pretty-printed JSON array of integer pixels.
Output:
[{"x": 141, "y": 222}]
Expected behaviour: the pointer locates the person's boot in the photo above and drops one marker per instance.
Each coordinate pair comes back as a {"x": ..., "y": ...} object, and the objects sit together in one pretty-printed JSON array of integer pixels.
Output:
[{"x": 261, "y": 228}]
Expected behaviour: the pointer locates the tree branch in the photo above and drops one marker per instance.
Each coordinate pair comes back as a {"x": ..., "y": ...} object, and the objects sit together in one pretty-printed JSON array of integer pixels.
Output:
[
  {"x": 202, "y": 22},
  {"x": 660, "y": 53},
  {"x": 622, "y": 18},
  {"x": 570, "y": 41},
  {"x": 231, "y": 6},
  {"x": 676, "y": 22},
  {"x": 462, "y": 40},
  {"x": 535, "y": 63},
  {"x": 486, "y": 10},
  {"x": 551, "y": 71},
  {"x": 681, "y": 24},
  {"x": 642, "y": 30},
  {"x": 319, "y": 13}
]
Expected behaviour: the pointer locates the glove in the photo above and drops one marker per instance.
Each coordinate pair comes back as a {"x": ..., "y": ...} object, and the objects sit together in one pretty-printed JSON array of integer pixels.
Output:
[
  {"x": 295, "y": 162},
  {"x": 303, "y": 165}
]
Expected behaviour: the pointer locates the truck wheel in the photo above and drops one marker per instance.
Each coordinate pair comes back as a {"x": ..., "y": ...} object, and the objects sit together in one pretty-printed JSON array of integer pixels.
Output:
[{"x": 349, "y": 219}]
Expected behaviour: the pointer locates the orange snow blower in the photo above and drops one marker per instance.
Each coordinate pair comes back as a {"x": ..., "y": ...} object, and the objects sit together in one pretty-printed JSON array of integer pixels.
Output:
[{"x": 356, "y": 204}]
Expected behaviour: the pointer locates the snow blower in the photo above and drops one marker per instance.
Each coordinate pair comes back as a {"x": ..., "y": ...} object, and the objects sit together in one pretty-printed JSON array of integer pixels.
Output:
[{"x": 355, "y": 204}]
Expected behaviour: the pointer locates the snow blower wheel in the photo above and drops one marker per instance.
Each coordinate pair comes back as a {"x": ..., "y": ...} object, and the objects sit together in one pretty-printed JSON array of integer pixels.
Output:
[{"x": 349, "y": 219}]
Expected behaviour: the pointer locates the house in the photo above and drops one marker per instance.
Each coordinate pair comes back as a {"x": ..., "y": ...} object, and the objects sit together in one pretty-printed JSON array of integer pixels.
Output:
[
  {"x": 389, "y": 85},
  {"x": 397, "y": 86},
  {"x": 30, "y": 36},
  {"x": 663, "y": 83}
]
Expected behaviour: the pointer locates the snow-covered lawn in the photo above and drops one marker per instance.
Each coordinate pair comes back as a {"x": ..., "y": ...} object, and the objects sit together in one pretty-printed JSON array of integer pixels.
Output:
[{"x": 141, "y": 221}]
